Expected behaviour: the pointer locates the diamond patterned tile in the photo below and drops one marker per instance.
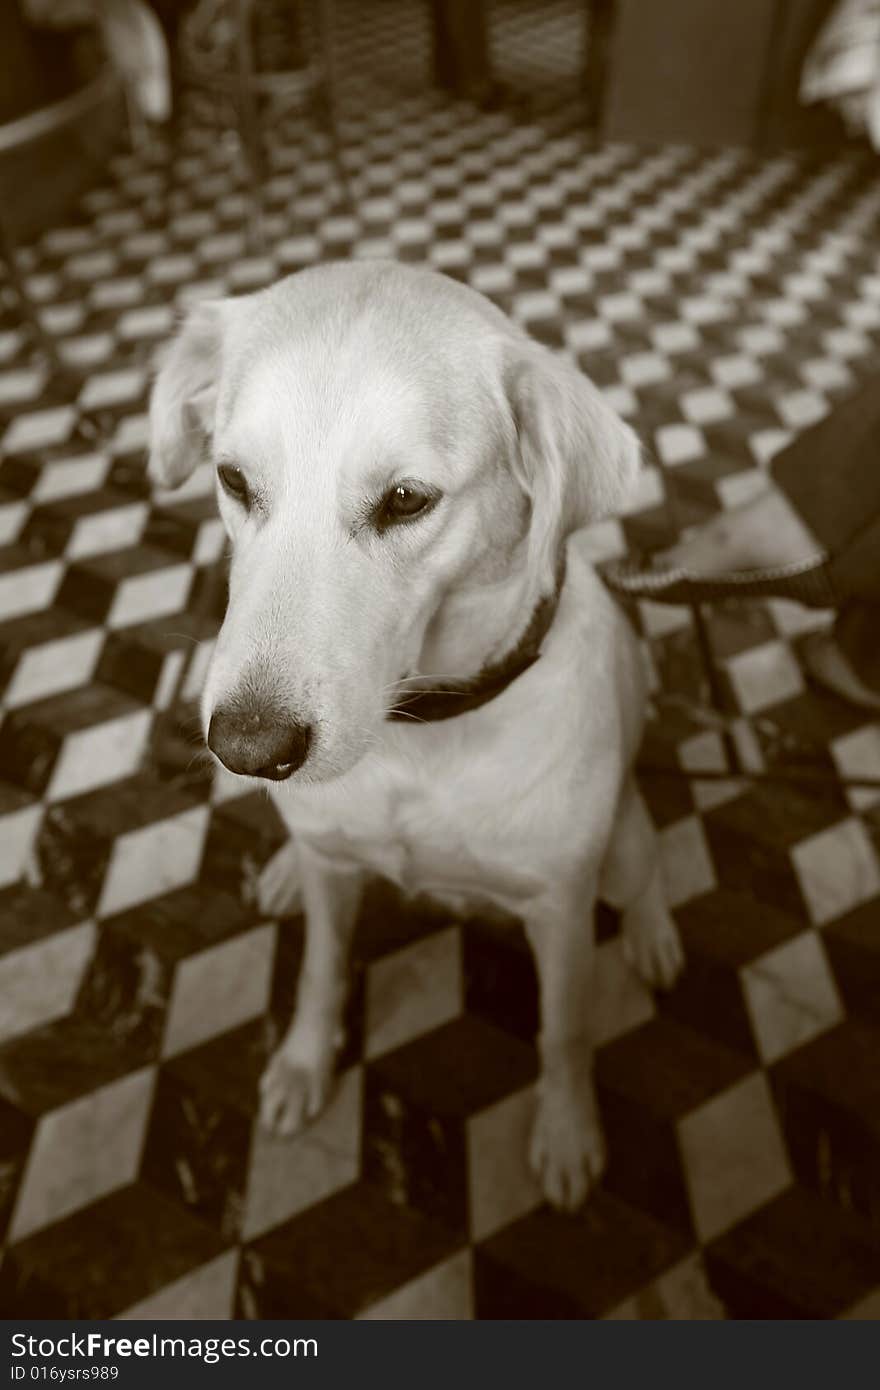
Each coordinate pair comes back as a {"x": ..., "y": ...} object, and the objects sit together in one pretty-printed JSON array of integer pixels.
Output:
[
  {"x": 792, "y": 1259},
  {"x": 40, "y": 981},
  {"x": 734, "y": 1156},
  {"x": 83, "y": 1150},
  {"x": 791, "y": 995},
  {"x": 827, "y": 1097},
  {"x": 838, "y": 869},
  {"x": 545, "y": 1265},
  {"x": 765, "y": 675}
]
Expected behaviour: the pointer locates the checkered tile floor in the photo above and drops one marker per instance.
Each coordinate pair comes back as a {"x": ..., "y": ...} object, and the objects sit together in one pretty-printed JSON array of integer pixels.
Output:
[{"x": 724, "y": 301}]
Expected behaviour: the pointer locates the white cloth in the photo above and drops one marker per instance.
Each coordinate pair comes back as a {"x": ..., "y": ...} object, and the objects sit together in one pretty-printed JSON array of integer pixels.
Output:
[
  {"x": 133, "y": 39},
  {"x": 843, "y": 66},
  {"x": 136, "y": 46}
]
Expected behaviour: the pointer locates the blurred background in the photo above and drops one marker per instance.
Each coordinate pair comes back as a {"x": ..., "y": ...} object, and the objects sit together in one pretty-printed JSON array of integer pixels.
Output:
[{"x": 684, "y": 198}]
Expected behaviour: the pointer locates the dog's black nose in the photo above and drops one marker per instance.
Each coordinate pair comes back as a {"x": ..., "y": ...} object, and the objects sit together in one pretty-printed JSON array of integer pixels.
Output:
[{"x": 258, "y": 743}]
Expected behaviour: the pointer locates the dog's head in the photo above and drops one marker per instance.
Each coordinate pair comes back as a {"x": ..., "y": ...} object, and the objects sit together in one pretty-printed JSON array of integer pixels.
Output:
[{"x": 386, "y": 444}]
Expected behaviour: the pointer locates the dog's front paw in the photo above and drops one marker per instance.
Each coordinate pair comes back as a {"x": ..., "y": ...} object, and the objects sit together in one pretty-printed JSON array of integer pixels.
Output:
[
  {"x": 278, "y": 893},
  {"x": 653, "y": 947},
  {"x": 293, "y": 1093},
  {"x": 567, "y": 1152}
]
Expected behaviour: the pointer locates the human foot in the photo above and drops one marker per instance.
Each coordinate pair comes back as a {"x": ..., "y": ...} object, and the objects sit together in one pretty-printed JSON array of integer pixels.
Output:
[
  {"x": 830, "y": 668},
  {"x": 764, "y": 532}
]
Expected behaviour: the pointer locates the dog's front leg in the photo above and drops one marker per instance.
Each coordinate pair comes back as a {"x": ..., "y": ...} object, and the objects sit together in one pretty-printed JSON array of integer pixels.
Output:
[
  {"x": 567, "y": 1149},
  {"x": 297, "y": 1082}
]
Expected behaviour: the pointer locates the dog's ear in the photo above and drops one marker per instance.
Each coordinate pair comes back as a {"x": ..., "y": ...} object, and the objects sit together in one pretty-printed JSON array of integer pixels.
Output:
[
  {"x": 573, "y": 455},
  {"x": 184, "y": 398}
]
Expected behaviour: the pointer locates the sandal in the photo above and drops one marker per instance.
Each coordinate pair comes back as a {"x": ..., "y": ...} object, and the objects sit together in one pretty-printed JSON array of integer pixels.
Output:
[{"x": 805, "y": 581}]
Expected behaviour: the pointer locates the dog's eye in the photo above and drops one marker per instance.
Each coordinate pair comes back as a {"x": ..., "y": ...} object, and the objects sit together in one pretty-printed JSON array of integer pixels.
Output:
[
  {"x": 403, "y": 502},
  {"x": 233, "y": 481}
]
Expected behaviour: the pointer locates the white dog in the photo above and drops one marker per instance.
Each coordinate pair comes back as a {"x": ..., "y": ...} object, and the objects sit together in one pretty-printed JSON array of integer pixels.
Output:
[{"x": 404, "y": 476}]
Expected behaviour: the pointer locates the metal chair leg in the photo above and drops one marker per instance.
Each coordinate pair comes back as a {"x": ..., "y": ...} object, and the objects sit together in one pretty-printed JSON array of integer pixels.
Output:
[
  {"x": 716, "y": 690},
  {"x": 326, "y": 16},
  {"x": 246, "y": 102}
]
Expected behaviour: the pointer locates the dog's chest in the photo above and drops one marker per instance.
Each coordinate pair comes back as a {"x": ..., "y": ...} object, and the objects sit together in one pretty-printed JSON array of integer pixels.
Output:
[{"x": 424, "y": 829}]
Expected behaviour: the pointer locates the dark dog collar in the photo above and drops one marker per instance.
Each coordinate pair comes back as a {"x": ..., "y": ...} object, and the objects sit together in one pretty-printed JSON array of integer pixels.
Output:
[{"x": 444, "y": 701}]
